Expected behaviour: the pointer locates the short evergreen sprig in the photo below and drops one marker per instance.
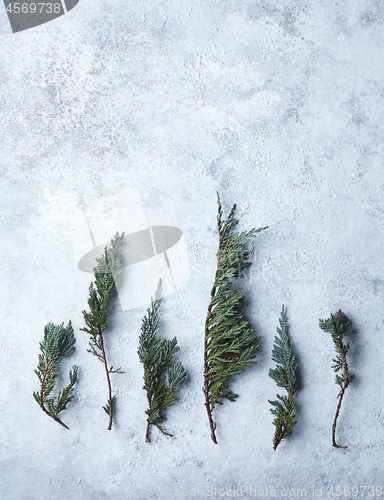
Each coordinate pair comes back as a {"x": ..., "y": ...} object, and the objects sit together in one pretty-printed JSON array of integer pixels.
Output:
[
  {"x": 285, "y": 376},
  {"x": 230, "y": 344},
  {"x": 105, "y": 273},
  {"x": 338, "y": 325},
  {"x": 161, "y": 375},
  {"x": 58, "y": 344}
]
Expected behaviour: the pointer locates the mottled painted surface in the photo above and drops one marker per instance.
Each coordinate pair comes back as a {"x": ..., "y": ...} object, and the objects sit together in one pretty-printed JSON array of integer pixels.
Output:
[{"x": 279, "y": 106}]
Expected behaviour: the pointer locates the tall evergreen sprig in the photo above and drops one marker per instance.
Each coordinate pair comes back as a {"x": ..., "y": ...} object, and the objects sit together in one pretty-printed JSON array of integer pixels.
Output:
[
  {"x": 338, "y": 325},
  {"x": 105, "y": 273},
  {"x": 230, "y": 344},
  {"x": 285, "y": 376},
  {"x": 58, "y": 344},
  {"x": 161, "y": 375}
]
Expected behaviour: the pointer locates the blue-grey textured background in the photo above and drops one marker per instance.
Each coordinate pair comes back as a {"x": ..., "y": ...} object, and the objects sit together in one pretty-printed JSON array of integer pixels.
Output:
[{"x": 279, "y": 106}]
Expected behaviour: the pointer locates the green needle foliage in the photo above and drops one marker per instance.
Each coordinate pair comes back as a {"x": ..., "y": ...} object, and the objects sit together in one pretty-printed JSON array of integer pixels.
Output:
[
  {"x": 338, "y": 325},
  {"x": 58, "y": 344},
  {"x": 161, "y": 375},
  {"x": 230, "y": 344},
  {"x": 285, "y": 376},
  {"x": 105, "y": 273}
]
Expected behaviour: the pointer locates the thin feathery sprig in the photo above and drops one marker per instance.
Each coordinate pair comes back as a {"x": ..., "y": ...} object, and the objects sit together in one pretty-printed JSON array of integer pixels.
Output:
[
  {"x": 161, "y": 375},
  {"x": 338, "y": 326},
  {"x": 285, "y": 376},
  {"x": 105, "y": 273},
  {"x": 58, "y": 344},
  {"x": 230, "y": 344}
]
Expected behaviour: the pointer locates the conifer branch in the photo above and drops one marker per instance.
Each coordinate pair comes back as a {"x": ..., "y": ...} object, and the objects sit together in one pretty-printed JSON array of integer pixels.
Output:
[
  {"x": 285, "y": 376},
  {"x": 338, "y": 325},
  {"x": 229, "y": 342},
  {"x": 105, "y": 273},
  {"x": 161, "y": 375},
  {"x": 58, "y": 344}
]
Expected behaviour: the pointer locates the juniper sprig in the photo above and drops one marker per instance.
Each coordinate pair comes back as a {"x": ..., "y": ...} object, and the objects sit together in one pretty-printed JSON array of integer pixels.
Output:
[
  {"x": 105, "y": 273},
  {"x": 285, "y": 376},
  {"x": 338, "y": 325},
  {"x": 230, "y": 344},
  {"x": 58, "y": 344},
  {"x": 161, "y": 375}
]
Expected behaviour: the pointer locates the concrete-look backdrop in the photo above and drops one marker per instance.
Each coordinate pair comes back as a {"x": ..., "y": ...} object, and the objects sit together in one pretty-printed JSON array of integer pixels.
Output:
[{"x": 276, "y": 104}]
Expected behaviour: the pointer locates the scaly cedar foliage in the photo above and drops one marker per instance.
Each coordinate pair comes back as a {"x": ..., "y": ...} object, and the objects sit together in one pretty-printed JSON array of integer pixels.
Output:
[
  {"x": 161, "y": 375},
  {"x": 58, "y": 344},
  {"x": 285, "y": 376},
  {"x": 105, "y": 273},
  {"x": 338, "y": 325},
  {"x": 230, "y": 344}
]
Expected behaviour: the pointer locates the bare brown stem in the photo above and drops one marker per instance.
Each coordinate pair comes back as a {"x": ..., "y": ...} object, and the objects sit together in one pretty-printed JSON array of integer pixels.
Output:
[
  {"x": 104, "y": 358},
  {"x": 147, "y": 440},
  {"x": 166, "y": 433},
  {"x": 340, "y": 396}
]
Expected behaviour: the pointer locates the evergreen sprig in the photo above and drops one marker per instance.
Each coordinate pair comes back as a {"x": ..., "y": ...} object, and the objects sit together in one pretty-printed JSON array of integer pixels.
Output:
[
  {"x": 285, "y": 376},
  {"x": 230, "y": 344},
  {"x": 105, "y": 273},
  {"x": 338, "y": 326},
  {"x": 161, "y": 375},
  {"x": 58, "y": 344}
]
